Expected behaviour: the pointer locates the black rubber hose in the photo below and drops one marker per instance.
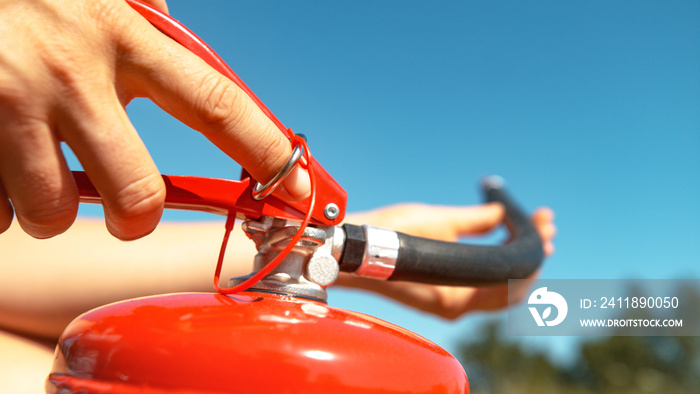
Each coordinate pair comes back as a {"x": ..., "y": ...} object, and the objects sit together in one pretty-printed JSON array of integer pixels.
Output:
[{"x": 446, "y": 263}]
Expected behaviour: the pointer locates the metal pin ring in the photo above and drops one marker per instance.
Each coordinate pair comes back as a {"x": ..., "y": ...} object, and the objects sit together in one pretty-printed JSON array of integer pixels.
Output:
[{"x": 260, "y": 191}]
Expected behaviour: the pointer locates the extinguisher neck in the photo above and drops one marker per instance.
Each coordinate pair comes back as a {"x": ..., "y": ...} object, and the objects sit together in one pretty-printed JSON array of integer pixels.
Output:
[{"x": 307, "y": 270}]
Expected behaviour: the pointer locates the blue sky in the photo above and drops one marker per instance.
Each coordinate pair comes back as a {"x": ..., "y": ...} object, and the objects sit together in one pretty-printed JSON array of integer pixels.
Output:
[{"x": 589, "y": 107}]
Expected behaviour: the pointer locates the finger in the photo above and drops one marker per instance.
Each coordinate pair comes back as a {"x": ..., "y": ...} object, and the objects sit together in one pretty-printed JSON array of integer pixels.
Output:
[
  {"x": 6, "y": 212},
  {"x": 543, "y": 215},
  {"x": 547, "y": 231},
  {"x": 296, "y": 186},
  {"x": 548, "y": 248},
  {"x": 118, "y": 164},
  {"x": 477, "y": 219},
  {"x": 36, "y": 178},
  {"x": 543, "y": 219},
  {"x": 444, "y": 223},
  {"x": 190, "y": 90}
]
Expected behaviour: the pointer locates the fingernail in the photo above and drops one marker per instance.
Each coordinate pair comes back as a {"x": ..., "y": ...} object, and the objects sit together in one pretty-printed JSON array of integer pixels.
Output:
[{"x": 297, "y": 186}]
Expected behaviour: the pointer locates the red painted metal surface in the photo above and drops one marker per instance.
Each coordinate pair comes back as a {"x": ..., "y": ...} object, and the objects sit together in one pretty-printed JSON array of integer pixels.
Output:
[{"x": 262, "y": 343}]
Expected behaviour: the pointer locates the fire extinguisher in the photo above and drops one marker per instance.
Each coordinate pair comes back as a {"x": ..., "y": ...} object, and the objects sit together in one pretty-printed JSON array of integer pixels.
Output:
[{"x": 273, "y": 331}]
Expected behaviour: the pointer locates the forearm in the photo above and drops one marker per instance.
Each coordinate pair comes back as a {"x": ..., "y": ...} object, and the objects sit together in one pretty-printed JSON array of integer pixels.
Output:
[{"x": 46, "y": 283}]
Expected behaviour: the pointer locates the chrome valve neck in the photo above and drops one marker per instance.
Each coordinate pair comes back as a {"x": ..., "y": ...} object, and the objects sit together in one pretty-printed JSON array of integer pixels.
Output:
[{"x": 310, "y": 267}]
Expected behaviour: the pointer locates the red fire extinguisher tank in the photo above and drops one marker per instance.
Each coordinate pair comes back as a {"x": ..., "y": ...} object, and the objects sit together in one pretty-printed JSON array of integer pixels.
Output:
[{"x": 246, "y": 343}]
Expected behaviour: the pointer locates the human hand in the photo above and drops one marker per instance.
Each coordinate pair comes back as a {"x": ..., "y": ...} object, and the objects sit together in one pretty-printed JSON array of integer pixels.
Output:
[
  {"x": 447, "y": 224},
  {"x": 67, "y": 70}
]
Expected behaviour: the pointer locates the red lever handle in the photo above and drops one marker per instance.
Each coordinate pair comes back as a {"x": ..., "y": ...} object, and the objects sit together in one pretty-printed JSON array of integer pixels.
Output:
[
  {"x": 222, "y": 196},
  {"x": 213, "y": 195}
]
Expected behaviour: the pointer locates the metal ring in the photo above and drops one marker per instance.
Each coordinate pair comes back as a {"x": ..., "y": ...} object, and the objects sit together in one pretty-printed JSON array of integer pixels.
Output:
[{"x": 260, "y": 191}]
